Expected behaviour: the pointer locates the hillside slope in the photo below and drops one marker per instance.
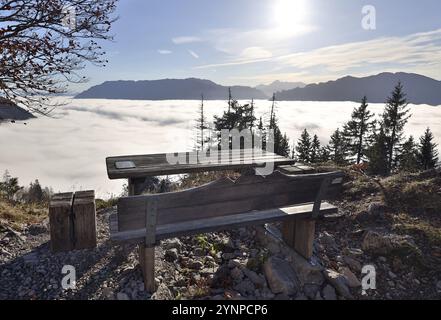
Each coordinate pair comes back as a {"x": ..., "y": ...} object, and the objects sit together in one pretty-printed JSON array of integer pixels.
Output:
[
  {"x": 419, "y": 89},
  {"x": 168, "y": 89}
]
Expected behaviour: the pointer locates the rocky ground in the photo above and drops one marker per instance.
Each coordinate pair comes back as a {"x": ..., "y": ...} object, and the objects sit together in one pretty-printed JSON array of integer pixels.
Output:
[{"x": 403, "y": 245}]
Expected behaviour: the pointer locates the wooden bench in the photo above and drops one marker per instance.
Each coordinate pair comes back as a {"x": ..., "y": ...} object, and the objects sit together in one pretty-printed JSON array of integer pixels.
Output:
[{"x": 296, "y": 200}]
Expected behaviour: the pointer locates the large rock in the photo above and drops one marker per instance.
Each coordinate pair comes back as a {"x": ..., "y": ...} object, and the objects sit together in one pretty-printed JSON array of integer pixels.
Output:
[
  {"x": 329, "y": 293},
  {"x": 389, "y": 244},
  {"x": 307, "y": 272},
  {"x": 351, "y": 279},
  {"x": 339, "y": 282},
  {"x": 280, "y": 276}
]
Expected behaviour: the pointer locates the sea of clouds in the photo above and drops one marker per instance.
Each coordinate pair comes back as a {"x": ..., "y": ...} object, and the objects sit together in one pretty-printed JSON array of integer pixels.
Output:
[{"x": 68, "y": 150}]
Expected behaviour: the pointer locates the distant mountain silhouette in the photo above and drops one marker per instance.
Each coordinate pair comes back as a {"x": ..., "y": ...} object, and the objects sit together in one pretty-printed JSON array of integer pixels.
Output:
[
  {"x": 277, "y": 86},
  {"x": 10, "y": 111},
  {"x": 419, "y": 89},
  {"x": 168, "y": 89}
]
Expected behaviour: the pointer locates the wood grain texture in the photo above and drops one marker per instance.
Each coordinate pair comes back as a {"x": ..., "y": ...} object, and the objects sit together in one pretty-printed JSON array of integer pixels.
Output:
[
  {"x": 147, "y": 264},
  {"x": 84, "y": 223},
  {"x": 60, "y": 210},
  {"x": 157, "y": 164},
  {"x": 222, "y": 223},
  {"x": 223, "y": 198},
  {"x": 304, "y": 237}
]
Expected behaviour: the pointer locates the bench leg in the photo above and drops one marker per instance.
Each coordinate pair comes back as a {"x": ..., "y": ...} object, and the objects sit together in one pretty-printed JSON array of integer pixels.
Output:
[
  {"x": 147, "y": 263},
  {"x": 299, "y": 235}
]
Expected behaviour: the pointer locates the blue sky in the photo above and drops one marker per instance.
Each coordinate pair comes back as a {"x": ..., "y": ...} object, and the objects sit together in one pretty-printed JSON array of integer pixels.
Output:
[{"x": 258, "y": 41}]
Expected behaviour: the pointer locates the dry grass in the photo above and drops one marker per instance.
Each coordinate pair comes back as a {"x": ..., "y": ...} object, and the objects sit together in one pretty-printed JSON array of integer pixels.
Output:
[
  {"x": 17, "y": 215},
  {"x": 405, "y": 191}
]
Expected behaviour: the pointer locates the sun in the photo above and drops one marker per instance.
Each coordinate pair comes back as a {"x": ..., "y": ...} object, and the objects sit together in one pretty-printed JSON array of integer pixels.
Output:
[{"x": 290, "y": 15}]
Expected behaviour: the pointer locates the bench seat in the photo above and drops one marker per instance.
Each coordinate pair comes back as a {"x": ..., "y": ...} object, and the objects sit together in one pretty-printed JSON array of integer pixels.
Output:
[{"x": 218, "y": 223}]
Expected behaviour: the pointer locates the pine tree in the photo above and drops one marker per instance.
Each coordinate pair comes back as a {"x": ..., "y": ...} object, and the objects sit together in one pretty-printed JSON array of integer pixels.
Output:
[
  {"x": 35, "y": 192},
  {"x": 377, "y": 153},
  {"x": 324, "y": 154},
  {"x": 395, "y": 117},
  {"x": 237, "y": 116},
  {"x": 303, "y": 147},
  {"x": 408, "y": 160},
  {"x": 315, "y": 150},
  {"x": 9, "y": 186},
  {"x": 427, "y": 153},
  {"x": 339, "y": 148},
  {"x": 281, "y": 141},
  {"x": 201, "y": 126},
  {"x": 358, "y": 129}
]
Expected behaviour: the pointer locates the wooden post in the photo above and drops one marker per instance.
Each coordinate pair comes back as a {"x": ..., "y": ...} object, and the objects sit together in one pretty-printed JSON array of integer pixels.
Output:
[
  {"x": 84, "y": 220},
  {"x": 60, "y": 212},
  {"x": 146, "y": 251},
  {"x": 288, "y": 232},
  {"x": 304, "y": 237},
  {"x": 299, "y": 234}
]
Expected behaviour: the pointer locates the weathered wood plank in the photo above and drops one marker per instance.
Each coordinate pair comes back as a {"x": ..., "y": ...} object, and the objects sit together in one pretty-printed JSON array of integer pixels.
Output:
[
  {"x": 84, "y": 223},
  {"x": 222, "y": 198},
  {"x": 288, "y": 232},
  {"x": 223, "y": 222},
  {"x": 304, "y": 237},
  {"x": 157, "y": 164},
  {"x": 60, "y": 209},
  {"x": 147, "y": 264}
]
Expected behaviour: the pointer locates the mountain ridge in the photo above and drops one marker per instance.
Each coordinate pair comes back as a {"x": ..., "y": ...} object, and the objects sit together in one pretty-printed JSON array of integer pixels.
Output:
[
  {"x": 419, "y": 89},
  {"x": 168, "y": 89}
]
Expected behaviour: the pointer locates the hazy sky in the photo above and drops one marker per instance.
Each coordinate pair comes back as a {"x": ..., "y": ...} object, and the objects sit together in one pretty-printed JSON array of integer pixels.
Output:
[{"x": 258, "y": 41}]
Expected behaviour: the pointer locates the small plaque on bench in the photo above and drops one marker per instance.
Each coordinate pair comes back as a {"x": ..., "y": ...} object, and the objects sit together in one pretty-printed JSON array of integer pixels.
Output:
[{"x": 125, "y": 165}]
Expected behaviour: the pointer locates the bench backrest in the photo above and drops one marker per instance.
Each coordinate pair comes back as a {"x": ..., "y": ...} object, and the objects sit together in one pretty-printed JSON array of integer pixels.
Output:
[{"x": 225, "y": 197}]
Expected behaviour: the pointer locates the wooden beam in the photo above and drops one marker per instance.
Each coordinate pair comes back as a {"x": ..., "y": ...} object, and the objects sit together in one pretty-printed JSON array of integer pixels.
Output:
[
  {"x": 147, "y": 264},
  {"x": 289, "y": 232},
  {"x": 304, "y": 237},
  {"x": 60, "y": 213},
  {"x": 198, "y": 226},
  {"x": 146, "y": 252},
  {"x": 84, "y": 217}
]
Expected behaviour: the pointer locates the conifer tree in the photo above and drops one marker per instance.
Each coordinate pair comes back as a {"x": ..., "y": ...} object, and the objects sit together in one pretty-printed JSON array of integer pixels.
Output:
[
  {"x": 201, "y": 126},
  {"x": 395, "y": 117},
  {"x": 358, "y": 129},
  {"x": 315, "y": 150},
  {"x": 325, "y": 154},
  {"x": 408, "y": 160},
  {"x": 281, "y": 141},
  {"x": 377, "y": 153},
  {"x": 303, "y": 147},
  {"x": 338, "y": 147},
  {"x": 427, "y": 153}
]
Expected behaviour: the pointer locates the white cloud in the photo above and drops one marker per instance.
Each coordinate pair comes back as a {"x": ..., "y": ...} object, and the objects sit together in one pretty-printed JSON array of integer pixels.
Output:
[
  {"x": 420, "y": 53},
  {"x": 160, "y": 51},
  {"x": 186, "y": 39},
  {"x": 96, "y": 129},
  {"x": 193, "y": 54}
]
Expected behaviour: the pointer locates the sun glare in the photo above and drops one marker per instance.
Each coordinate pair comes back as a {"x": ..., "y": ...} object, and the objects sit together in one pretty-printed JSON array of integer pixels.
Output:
[{"x": 290, "y": 15}]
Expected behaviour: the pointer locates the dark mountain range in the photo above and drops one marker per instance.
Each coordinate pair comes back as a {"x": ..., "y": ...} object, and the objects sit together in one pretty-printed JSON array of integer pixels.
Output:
[
  {"x": 277, "y": 86},
  {"x": 168, "y": 89},
  {"x": 419, "y": 89},
  {"x": 10, "y": 111}
]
